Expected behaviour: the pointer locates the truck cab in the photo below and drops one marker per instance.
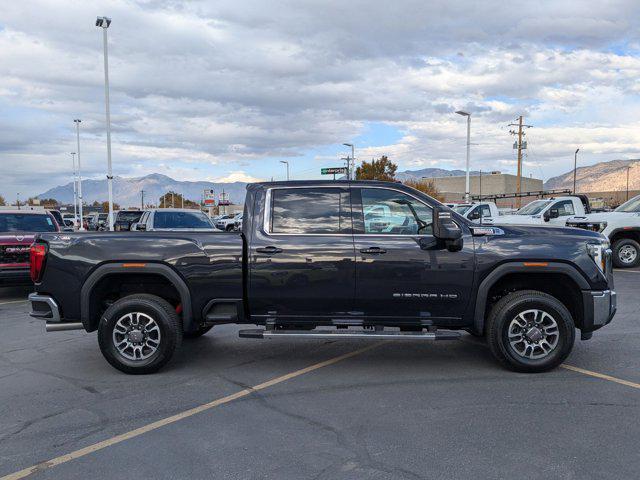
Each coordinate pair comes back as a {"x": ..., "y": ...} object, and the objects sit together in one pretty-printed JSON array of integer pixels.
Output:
[
  {"x": 547, "y": 211},
  {"x": 480, "y": 212}
]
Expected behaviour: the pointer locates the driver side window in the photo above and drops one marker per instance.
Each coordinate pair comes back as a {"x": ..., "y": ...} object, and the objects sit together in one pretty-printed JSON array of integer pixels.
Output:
[{"x": 395, "y": 213}]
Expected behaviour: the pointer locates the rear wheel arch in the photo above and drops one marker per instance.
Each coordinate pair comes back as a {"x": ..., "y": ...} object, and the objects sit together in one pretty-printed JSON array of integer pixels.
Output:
[
  {"x": 90, "y": 312},
  {"x": 560, "y": 280}
]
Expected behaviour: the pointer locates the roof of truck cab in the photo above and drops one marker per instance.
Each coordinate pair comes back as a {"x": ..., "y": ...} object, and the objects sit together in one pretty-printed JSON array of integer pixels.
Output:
[{"x": 325, "y": 183}]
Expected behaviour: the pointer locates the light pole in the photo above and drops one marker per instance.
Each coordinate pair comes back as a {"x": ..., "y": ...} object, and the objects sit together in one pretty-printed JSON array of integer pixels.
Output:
[
  {"x": 351, "y": 170},
  {"x": 75, "y": 192},
  {"x": 79, "y": 200},
  {"x": 287, "y": 164},
  {"x": 628, "y": 168},
  {"x": 468, "y": 115},
  {"x": 104, "y": 23},
  {"x": 575, "y": 167}
]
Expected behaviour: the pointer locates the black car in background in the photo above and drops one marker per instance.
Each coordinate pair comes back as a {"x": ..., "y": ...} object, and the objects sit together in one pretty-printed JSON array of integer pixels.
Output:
[{"x": 126, "y": 218}]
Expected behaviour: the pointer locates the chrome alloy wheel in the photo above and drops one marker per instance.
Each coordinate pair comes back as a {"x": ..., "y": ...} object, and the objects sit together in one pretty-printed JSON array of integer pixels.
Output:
[
  {"x": 136, "y": 336},
  {"x": 533, "y": 334},
  {"x": 627, "y": 254}
]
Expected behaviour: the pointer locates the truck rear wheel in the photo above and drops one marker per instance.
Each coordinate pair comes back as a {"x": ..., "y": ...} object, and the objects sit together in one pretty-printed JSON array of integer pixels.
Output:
[
  {"x": 138, "y": 334},
  {"x": 626, "y": 253},
  {"x": 530, "y": 331}
]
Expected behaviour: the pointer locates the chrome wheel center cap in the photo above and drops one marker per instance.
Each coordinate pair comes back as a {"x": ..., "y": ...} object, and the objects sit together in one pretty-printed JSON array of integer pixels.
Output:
[
  {"x": 136, "y": 336},
  {"x": 534, "y": 334}
]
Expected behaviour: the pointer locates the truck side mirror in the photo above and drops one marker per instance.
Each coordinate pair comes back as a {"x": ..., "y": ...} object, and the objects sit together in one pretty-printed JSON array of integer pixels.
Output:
[
  {"x": 444, "y": 228},
  {"x": 475, "y": 215},
  {"x": 551, "y": 213}
]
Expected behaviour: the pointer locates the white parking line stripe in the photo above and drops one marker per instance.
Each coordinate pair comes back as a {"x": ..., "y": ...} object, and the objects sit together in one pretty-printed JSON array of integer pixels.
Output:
[
  {"x": 180, "y": 416},
  {"x": 13, "y": 301},
  {"x": 601, "y": 376}
]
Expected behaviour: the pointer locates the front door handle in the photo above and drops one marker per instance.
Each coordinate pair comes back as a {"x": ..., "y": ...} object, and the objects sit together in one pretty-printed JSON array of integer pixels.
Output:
[
  {"x": 270, "y": 250},
  {"x": 373, "y": 250}
]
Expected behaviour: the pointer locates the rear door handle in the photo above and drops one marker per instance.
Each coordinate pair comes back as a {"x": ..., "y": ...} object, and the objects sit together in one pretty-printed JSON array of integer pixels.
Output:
[
  {"x": 270, "y": 250},
  {"x": 373, "y": 250}
]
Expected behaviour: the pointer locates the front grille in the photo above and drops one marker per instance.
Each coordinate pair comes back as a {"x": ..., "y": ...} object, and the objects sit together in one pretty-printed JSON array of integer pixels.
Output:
[{"x": 14, "y": 254}]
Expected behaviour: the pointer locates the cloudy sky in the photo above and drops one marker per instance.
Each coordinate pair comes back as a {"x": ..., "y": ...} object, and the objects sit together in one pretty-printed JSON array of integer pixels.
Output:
[{"x": 226, "y": 89}]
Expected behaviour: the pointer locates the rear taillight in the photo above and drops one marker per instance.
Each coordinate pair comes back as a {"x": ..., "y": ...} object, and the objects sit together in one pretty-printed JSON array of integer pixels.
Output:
[{"x": 37, "y": 256}]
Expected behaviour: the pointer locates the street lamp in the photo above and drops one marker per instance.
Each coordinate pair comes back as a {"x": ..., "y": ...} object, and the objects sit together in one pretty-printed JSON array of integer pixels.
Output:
[
  {"x": 575, "y": 167},
  {"x": 79, "y": 199},
  {"x": 351, "y": 171},
  {"x": 104, "y": 22},
  {"x": 75, "y": 192},
  {"x": 468, "y": 115},
  {"x": 628, "y": 168},
  {"x": 287, "y": 163}
]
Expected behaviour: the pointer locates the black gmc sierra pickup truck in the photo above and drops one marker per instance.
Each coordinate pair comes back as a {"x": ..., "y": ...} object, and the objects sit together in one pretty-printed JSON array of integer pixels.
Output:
[{"x": 337, "y": 259}]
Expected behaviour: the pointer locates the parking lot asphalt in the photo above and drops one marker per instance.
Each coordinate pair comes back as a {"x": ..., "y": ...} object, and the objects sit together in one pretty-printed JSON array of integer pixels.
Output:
[{"x": 395, "y": 410}]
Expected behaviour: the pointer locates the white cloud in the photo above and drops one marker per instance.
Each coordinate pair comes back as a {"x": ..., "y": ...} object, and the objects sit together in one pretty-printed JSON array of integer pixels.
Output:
[{"x": 237, "y": 176}]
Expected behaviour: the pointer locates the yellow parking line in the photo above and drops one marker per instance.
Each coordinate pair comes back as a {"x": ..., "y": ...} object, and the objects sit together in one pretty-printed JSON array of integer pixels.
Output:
[
  {"x": 601, "y": 376},
  {"x": 13, "y": 301},
  {"x": 180, "y": 416}
]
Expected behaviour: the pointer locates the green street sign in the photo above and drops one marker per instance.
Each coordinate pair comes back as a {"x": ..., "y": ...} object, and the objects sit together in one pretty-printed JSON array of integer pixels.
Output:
[{"x": 333, "y": 170}]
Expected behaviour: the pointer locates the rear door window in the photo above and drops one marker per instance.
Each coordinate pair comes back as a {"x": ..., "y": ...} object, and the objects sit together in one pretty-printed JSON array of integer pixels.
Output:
[{"x": 316, "y": 211}]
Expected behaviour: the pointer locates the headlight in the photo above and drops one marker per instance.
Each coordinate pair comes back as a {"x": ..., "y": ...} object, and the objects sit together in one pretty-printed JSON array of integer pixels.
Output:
[{"x": 597, "y": 252}]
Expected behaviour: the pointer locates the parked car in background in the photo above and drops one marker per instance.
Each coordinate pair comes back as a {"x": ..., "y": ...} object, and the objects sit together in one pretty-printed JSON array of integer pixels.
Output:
[
  {"x": 621, "y": 227},
  {"x": 552, "y": 211},
  {"x": 17, "y": 231},
  {"x": 64, "y": 226},
  {"x": 98, "y": 221},
  {"x": 480, "y": 212},
  {"x": 307, "y": 264},
  {"x": 237, "y": 224},
  {"x": 173, "y": 219},
  {"x": 125, "y": 218},
  {"x": 226, "y": 222}
]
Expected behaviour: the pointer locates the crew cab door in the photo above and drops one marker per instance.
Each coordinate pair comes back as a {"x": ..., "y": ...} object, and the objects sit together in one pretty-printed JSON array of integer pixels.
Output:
[
  {"x": 301, "y": 255},
  {"x": 402, "y": 271}
]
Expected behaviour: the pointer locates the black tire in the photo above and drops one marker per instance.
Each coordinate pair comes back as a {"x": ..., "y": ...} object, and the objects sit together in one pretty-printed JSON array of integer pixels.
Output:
[
  {"x": 161, "y": 312},
  {"x": 229, "y": 228},
  {"x": 198, "y": 333},
  {"x": 500, "y": 321},
  {"x": 623, "y": 251}
]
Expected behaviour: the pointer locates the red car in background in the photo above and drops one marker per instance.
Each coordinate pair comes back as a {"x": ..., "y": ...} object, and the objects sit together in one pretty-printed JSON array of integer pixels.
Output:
[{"x": 17, "y": 231}]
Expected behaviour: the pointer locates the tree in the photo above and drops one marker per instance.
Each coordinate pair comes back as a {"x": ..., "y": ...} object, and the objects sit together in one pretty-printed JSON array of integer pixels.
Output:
[
  {"x": 426, "y": 186},
  {"x": 105, "y": 206},
  {"x": 174, "y": 199},
  {"x": 381, "y": 169},
  {"x": 2, "y": 201}
]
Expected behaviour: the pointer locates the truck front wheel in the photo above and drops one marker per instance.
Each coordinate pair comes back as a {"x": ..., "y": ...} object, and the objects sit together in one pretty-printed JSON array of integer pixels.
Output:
[
  {"x": 138, "y": 334},
  {"x": 626, "y": 253},
  {"x": 530, "y": 331}
]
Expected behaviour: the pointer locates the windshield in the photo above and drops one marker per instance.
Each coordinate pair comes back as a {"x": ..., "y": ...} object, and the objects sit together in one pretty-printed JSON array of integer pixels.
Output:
[
  {"x": 533, "y": 208},
  {"x": 17, "y": 222},
  {"x": 462, "y": 209},
  {"x": 181, "y": 220},
  {"x": 630, "y": 206}
]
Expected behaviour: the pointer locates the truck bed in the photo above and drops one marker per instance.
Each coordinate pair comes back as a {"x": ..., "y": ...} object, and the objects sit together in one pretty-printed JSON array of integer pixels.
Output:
[{"x": 211, "y": 264}]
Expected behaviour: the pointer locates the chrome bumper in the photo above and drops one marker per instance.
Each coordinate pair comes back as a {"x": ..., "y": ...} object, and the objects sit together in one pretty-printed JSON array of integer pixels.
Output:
[
  {"x": 600, "y": 307},
  {"x": 46, "y": 308}
]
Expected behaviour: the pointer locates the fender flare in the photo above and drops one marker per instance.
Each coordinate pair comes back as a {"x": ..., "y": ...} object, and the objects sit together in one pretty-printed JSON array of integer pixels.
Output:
[
  {"x": 153, "y": 268},
  {"x": 613, "y": 233},
  {"x": 518, "y": 267}
]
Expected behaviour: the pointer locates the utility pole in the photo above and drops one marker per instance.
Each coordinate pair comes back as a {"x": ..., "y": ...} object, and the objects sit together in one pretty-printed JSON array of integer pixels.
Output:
[
  {"x": 520, "y": 146},
  {"x": 575, "y": 167},
  {"x": 104, "y": 22},
  {"x": 628, "y": 168},
  {"x": 77, "y": 122},
  {"x": 351, "y": 166},
  {"x": 480, "y": 184},
  {"x": 141, "y": 199},
  {"x": 75, "y": 192}
]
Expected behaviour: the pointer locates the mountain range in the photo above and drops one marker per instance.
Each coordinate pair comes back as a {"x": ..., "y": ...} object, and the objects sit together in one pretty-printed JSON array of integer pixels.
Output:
[
  {"x": 604, "y": 176},
  {"x": 601, "y": 177}
]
